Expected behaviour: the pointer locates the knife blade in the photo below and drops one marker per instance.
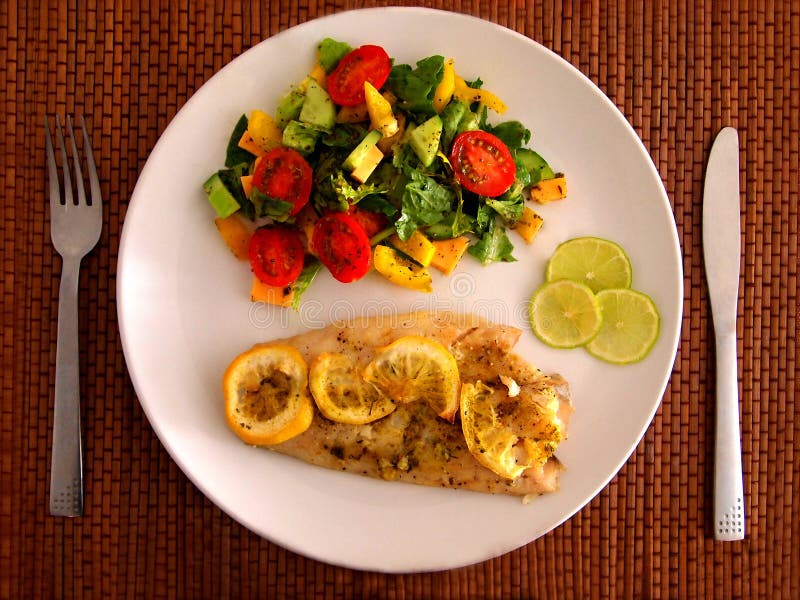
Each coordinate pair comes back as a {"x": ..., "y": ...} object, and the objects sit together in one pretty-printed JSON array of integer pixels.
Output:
[{"x": 721, "y": 251}]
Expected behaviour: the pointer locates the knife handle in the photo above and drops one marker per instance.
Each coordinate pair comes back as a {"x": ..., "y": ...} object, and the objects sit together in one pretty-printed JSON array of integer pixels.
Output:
[{"x": 728, "y": 484}]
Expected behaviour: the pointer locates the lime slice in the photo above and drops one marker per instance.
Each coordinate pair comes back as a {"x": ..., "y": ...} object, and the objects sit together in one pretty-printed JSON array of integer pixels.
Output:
[
  {"x": 600, "y": 264},
  {"x": 565, "y": 314},
  {"x": 630, "y": 327}
]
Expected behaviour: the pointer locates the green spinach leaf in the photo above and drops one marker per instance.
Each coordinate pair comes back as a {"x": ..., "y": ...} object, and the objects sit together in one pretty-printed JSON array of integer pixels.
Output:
[
  {"x": 378, "y": 204},
  {"x": 235, "y": 155},
  {"x": 344, "y": 136},
  {"x": 267, "y": 206},
  {"x": 415, "y": 87},
  {"x": 425, "y": 202},
  {"x": 513, "y": 133}
]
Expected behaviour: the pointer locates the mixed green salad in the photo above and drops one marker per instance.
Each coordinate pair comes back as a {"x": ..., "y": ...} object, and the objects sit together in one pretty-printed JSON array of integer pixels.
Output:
[{"x": 371, "y": 164}]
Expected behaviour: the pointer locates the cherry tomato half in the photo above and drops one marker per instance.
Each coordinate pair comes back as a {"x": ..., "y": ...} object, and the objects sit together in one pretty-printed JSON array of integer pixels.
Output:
[
  {"x": 366, "y": 63},
  {"x": 482, "y": 163},
  {"x": 284, "y": 174},
  {"x": 342, "y": 246},
  {"x": 276, "y": 254}
]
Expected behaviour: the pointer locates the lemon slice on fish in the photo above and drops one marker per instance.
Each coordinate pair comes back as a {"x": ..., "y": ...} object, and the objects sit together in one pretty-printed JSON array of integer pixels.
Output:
[
  {"x": 266, "y": 395},
  {"x": 417, "y": 368},
  {"x": 342, "y": 395},
  {"x": 510, "y": 434}
]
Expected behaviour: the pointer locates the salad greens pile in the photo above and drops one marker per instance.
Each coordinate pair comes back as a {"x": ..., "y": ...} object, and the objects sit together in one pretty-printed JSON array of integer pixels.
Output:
[{"x": 410, "y": 195}]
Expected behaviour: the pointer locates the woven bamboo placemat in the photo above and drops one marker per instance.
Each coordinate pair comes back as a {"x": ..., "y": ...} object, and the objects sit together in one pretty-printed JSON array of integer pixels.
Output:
[{"x": 678, "y": 71}]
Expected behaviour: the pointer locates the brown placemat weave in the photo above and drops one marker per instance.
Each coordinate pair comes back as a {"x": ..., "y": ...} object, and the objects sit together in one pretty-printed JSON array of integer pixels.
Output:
[{"x": 678, "y": 71}]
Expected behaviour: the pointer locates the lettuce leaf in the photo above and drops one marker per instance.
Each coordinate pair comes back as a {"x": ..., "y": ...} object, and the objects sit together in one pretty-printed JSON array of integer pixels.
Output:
[
  {"x": 310, "y": 270},
  {"x": 509, "y": 205},
  {"x": 350, "y": 195},
  {"x": 415, "y": 87},
  {"x": 494, "y": 246},
  {"x": 513, "y": 133},
  {"x": 425, "y": 202},
  {"x": 457, "y": 118}
]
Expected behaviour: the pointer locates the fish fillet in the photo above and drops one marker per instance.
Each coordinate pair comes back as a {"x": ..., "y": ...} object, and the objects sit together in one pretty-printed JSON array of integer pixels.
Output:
[{"x": 412, "y": 444}]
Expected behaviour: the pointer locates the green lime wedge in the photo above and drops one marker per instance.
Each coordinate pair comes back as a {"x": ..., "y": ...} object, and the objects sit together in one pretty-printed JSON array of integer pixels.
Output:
[
  {"x": 630, "y": 327},
  {"x": 600, "y": 264},
  {"x": 565, "y": 314}
]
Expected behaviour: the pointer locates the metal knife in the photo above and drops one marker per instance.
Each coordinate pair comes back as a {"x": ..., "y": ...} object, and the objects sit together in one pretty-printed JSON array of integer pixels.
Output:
[{"x": 721, "y": 250}]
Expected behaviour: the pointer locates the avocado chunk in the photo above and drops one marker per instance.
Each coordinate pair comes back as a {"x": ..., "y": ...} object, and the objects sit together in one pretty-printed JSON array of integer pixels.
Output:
[
  {"x": 532, "y": 164},
  {"x": 318, "y": 108},
  {"x": 362, "y": 161},
  {"x": 361, "y": 151},
  {"x": 371, "y": 160},
  {"x": 300, "y": 136},
  {"x": 220, "y": 197},
  {"x": 424, "y": 140},
  {"x": 290, "y": 106}
]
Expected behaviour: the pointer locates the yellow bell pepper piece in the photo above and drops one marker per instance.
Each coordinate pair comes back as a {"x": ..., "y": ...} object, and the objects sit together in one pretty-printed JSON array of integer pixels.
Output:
[
  {"x": 380, "y": 111},
  {"x": 448, "y": 253},
  {"x": 318, "y": 74},
  {"x": 418, "y": 247},
  {"x": 444, "y": 91},
  {"x": 279, "y": 296},
  {"x": 246, "y": 142},
  {"x": 236, "y": 235},
  {"x": 550, "y": 189},
  {"x": 469, "y": 95},
  {"x": 247, "y": 184},
  {"x": 264, "y": 130},
  {"x": 529, "y": 224},
  {"x": 401, "y": 271}
]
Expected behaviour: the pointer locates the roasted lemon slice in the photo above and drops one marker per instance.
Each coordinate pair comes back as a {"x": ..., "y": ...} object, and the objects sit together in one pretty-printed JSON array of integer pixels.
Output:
[
  {"x": 417, "y": 368},
  {"x": 266, "y": 395},
  {"x": 509, "y": 434},
  {"x": 342, "y": 395}
]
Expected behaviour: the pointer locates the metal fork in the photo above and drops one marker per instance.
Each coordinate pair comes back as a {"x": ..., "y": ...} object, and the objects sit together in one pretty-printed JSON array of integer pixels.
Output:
[{"x": 74, "y": 229}]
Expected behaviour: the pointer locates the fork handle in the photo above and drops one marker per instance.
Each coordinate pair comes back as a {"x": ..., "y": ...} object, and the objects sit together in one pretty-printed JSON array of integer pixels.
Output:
[
  {"x": 66, "y": 467},
  {"x": 728, "y": 485}
]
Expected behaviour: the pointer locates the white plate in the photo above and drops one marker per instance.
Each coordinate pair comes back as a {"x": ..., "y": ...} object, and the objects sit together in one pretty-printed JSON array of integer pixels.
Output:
[{"x": 184, "y": 311}]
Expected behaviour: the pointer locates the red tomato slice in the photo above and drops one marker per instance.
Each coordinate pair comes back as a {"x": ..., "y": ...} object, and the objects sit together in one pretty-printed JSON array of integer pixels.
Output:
[
  {"x": 346, "y": 81},
  {"x": 276, "y": 254},
  {"x": 284, "y": 174},
  {"x": 372, "y": 222},
  {"x": 482, "y": 163},
  {"x": 342, "y": 246}
]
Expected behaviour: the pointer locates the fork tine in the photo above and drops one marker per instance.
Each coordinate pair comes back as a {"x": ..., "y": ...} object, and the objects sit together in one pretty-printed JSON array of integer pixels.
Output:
[
  {"x": 52, "y": 169},
  {"x": 76, "y": 161},
  {"x": 94, "y": 181},
  {"x": 64, "y": 164}
]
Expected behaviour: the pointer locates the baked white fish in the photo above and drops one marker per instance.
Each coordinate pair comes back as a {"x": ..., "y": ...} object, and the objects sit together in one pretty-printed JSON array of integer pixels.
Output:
[{"x": 412, "y": 444}]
